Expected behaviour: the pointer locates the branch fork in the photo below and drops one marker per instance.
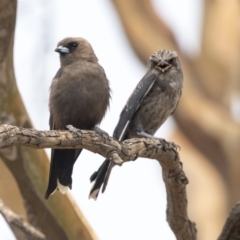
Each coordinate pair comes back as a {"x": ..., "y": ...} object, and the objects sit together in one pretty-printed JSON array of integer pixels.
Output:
[{"x": 120, "y": 152}]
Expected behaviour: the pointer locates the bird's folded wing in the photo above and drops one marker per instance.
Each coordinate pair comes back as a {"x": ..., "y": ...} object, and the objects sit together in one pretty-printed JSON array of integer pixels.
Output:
[{"x": 132, "y": 105}]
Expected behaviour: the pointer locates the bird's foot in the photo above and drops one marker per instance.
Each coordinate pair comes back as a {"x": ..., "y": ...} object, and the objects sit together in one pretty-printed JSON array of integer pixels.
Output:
[
  {"x": 166, "y": 145},
  {"x": 76, "y": 132},
  {"x": 169, "y": 145},
  {"x": 102, "y": 133}
]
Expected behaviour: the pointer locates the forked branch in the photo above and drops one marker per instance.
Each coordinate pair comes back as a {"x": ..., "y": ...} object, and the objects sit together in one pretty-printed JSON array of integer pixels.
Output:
[{"x": 118, "y": 152}]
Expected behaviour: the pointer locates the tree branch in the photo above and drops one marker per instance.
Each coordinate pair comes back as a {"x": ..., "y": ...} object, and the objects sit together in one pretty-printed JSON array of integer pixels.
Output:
[
  {"x": 21, "y": 229},
  {"x": 118, "y": 152},
  {"x": 231, "y": 228}
]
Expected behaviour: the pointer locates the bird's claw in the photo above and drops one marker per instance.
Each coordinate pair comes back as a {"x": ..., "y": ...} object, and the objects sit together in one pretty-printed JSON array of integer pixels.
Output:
[
  {"x": 169, "y": 145},
  {"x": 76, "y": 132},
  {"x": 102, "y": 133}
]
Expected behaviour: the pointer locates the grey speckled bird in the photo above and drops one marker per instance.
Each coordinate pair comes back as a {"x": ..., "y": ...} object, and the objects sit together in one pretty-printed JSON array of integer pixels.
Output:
[
  {"x": 79, "y": 96},
  {"x": 154, "y": 99}
]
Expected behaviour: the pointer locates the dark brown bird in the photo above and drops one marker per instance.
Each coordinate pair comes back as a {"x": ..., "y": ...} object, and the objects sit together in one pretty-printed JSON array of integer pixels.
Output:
[
  {"x": 154, "y": 99},
  {"x": 79, "y": 96}
]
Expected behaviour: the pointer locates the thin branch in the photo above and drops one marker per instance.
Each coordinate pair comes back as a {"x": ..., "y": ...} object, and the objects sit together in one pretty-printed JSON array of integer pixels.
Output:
[
  {"x": 118, "y": 152},
  {"x": 21, "y": 229},
  {"x": 231, "y": 230}
]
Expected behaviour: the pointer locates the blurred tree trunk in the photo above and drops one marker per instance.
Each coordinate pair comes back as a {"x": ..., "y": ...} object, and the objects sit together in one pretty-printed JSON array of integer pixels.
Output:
[
  {"x": 24, "y": 171},
  {"x": 207, "y": 132}
]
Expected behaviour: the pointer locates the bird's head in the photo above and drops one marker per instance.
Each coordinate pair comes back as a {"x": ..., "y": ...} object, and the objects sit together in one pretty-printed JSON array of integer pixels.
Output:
[
  {"x": 164, "y": 60},
  {"x": 75, "y": 49}
]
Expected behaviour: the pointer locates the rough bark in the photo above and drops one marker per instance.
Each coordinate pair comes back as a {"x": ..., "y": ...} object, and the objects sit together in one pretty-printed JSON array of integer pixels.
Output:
[
  {"x": 231, "y": 229},
  {"x": 120, "y": 152},
  {"x": 165, "y": 153}
]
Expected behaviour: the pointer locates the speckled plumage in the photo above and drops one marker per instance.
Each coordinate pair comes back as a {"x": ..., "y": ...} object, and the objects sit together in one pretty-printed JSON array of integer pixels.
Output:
[
  {"x": 158, "y": 94},
  {"x": 157, "y": 105}
]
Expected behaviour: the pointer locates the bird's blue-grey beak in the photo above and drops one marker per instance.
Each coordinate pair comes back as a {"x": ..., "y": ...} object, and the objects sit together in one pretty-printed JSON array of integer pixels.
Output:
[{"x": 62, "y": 49}]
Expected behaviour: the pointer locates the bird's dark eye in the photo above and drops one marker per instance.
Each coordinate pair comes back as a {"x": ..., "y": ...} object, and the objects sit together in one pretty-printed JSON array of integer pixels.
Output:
[
  {"x": 154, "y": 62},
  {"x": 74, "y": 44},
  {"x": 171, "y": 61}
]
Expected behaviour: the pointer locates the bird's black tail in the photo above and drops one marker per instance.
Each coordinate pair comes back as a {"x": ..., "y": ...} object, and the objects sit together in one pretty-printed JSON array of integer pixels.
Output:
[
  {"x": 101, "y": 178},
  {"x": 60, "y": 176}
]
